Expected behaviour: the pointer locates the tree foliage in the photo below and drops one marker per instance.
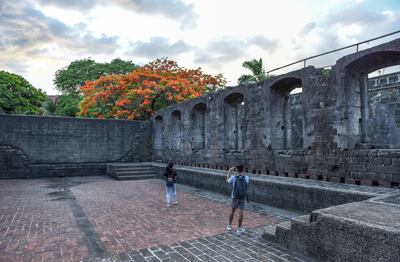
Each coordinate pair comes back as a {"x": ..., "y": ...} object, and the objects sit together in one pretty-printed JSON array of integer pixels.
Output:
[
  {"x": 140, "y": 93},
  {"x": 49, "y": 107},
  {"x": 68, "y": 105},
  {"x": 257, "y": 69},
  {"x": 68, "y": 80},
  {"x": 18, "y": 96}
]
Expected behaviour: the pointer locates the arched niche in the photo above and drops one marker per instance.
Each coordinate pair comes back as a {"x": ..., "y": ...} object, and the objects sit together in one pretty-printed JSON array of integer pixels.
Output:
[
  {"x": 370, "y": 121},
  {"x": 234, "y": 121},
  {"x": 287, "y": 122},
  {"x": 176, "y": 130},
  {"x": 158, "y": 134},
  {"x": 198, "y": 127}
]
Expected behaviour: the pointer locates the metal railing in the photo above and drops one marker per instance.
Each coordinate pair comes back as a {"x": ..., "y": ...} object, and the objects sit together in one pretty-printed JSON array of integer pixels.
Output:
[{"x": 304, "y": 61}]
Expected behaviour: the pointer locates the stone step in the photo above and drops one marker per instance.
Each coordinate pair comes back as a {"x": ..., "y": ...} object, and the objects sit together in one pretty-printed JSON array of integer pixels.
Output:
[
  {"x": 282, "y": 233},
  {"x": 306, "y": 219},
  {"x": 134, "y": 177},
  {"x": 285, "y": 233},
  {"x": 150, "y": 172},
  {"x": 269, "y": 233},
  {"x": 134, "y": 169},
  {"x": 300, "y": 224},
  {"x": 279, "y": 233},
  {"x": 132, "y": 166},
  {"x": 131, "y": 171}
]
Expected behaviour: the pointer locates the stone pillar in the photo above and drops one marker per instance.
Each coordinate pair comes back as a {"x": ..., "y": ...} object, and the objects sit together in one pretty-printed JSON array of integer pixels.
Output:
[
  {"x": 363, "y": 82},
  {"x": 287, "y": 125}
]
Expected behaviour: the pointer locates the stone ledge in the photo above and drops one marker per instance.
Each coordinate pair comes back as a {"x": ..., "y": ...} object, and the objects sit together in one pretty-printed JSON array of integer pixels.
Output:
[{"x": 284, "y": 192}]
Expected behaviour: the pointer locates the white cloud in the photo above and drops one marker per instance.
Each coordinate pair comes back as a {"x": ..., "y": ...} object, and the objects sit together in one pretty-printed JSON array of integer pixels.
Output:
[
  {"x": 41, "y": 36},
  {"x": 158, "y": 47},
  {"x": 173, "y": 9}
]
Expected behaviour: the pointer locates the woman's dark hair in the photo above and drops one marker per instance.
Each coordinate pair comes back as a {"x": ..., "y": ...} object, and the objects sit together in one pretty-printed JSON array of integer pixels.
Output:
[
  {"x": 239, "y": 168},
  {"x": 169, "y": 169}
]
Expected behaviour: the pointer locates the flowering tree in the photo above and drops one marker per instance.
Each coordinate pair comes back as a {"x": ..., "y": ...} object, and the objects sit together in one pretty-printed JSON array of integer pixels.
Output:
[{"x": 139, "y": 94}]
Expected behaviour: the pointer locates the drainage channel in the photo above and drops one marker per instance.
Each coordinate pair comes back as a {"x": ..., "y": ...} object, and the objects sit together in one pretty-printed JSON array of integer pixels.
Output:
[{"x": 63, "y": 193}]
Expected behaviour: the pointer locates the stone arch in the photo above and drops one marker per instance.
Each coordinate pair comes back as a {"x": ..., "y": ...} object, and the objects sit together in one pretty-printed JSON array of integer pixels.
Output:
[
  {"x": 198, "y": 128},
  {"x": 176, "y": 130},
  {"x": 286, "y": 128},
  {"x": 158, "y": 135},
  {"x": 234, "y": 121},
  {"x": 362, "y": 129}
]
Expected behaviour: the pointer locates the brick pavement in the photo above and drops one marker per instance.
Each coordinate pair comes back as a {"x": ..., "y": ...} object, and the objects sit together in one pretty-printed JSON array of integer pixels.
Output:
[
  {"x": 73, "y": 219},
  {"x": 33, "y": 227},
  {"x": 223, "y": 247}
]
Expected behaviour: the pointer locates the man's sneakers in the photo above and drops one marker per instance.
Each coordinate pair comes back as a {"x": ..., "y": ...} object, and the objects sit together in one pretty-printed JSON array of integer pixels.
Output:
[
  {"x": 240, "y": 230},
  {"x": 228, "y": 228},
  {"x": 175, "y": 203}
]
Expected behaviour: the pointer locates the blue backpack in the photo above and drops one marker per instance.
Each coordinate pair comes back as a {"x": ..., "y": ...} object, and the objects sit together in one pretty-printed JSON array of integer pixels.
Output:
[{"x": 240, "y": 191}]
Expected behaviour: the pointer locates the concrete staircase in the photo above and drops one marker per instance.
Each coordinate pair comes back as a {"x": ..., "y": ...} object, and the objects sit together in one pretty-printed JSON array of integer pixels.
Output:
[
  {"x": 287, "y": 233},
  {"x": 131, "y": 171},
  {"x": 359, "y": 231}
]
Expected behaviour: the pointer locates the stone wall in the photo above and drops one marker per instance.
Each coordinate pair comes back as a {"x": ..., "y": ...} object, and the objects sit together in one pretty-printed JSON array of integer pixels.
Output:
[
  {"x": 332, "y": 133},
  {"x": 33, "y": 146},
  {"x": 383, "y": 82}
]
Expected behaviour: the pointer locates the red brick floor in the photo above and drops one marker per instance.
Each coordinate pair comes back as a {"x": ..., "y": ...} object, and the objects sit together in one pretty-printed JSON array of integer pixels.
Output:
[
  {"x": 38, "y": 223},
  {"x": 131, "y": 215},
  {"x": 35, "y": 228}
]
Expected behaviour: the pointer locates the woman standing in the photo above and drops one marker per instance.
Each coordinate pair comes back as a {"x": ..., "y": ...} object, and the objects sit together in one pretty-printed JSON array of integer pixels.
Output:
[{"x": 170, "y": 183}]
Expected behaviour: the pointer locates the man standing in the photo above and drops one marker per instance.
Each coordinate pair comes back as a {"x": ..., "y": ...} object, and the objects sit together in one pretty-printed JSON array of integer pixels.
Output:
[{"x": 239, "y": 184}]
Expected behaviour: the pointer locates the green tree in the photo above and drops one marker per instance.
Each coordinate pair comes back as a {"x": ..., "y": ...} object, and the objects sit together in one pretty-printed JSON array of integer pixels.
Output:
[
  {"x": 49, "y": 107},
  {"x": 257, "y": 69},
  {"x": 119, "y": 66},
  {"x": 18, "y": 96},
  {"x": 68, "y": 80},
  {"x": 68, "y": 105}
]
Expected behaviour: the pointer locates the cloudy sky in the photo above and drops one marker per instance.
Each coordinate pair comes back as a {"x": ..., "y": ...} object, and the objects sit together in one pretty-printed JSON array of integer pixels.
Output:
[{"x": 38, "y": 37}]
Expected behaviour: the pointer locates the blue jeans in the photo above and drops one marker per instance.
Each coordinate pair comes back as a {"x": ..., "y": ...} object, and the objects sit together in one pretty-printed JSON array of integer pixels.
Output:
[{"x": 170, "y": 191}]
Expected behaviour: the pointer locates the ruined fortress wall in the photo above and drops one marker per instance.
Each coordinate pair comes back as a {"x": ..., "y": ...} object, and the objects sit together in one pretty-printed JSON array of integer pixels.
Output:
[
  {"x": 39, "y": 146},
  {"x": 332, "y": 134}
]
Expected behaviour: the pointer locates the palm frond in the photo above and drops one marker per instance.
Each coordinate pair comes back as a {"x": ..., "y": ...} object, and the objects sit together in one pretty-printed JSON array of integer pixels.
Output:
[{"x": 246, "y": 79}]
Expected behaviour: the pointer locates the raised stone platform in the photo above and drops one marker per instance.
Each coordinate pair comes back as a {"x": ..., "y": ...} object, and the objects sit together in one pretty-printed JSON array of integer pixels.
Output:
[
  {"x": 359, "y": 231},
  {"x": 283, "y": 192}
]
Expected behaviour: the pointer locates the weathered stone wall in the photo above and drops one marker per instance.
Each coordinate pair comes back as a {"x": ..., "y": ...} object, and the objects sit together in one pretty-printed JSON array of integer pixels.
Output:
[
  {"x": 332, "y": 133},
  {"x": 32, "y": 146},
  {"x": 385, "y": 82},
  {"x": 384, "y": 119}
]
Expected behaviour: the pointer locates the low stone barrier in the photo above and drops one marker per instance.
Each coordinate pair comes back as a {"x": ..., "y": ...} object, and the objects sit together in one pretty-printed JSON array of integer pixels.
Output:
[
  {"x": 53, "y": 170},
  {"x": 288, "y": 193}
]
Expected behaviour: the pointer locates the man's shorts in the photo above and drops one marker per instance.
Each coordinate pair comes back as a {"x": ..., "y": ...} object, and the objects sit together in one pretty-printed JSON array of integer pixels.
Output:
[{"x": 236, "y": 203}]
